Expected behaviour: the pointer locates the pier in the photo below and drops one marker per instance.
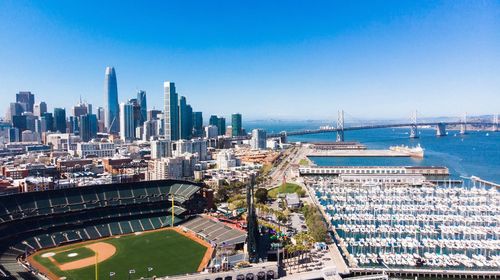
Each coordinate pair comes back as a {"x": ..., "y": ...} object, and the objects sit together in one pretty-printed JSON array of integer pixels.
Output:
[
  {"x": 356, "y": 153},
  {"x": 429, "y": 273}
]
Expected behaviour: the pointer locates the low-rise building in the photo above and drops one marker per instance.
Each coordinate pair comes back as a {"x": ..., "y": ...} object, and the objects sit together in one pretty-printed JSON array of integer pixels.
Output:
[{"x": 95, "y": 149}]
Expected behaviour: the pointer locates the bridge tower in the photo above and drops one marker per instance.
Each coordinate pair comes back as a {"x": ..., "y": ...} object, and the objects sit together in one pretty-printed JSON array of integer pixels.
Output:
[
  {"x": 495, "y": 123},
  {"x": 413, "y": 126},
  {"x": 463, "y": 125},
  {"x": 340, "y": 126},
  {"x": 441, "y": 129}
]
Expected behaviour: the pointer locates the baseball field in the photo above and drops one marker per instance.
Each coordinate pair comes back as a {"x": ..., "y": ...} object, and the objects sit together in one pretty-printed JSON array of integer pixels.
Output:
[{"x": 164, "y": 252}]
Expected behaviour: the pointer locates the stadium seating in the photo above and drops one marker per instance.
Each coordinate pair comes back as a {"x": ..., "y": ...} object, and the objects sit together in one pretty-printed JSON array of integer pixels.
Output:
[
  {"x": 37, "y": 220},
  {"x": 214, "y": 231}
]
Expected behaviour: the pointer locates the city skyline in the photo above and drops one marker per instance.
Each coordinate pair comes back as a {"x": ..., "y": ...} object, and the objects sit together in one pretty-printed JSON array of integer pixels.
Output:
[{"x": 403, "y": 58}]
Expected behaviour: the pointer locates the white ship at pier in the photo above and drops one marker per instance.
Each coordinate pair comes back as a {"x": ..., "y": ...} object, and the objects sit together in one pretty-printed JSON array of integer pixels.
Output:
[{"x": 417, "y": 151}]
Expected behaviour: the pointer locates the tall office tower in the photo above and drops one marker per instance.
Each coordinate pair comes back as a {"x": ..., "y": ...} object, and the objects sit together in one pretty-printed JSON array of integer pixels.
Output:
[
  {"x": 127, "y": 129},
  {"x": 39, "y": 109},
  {"x": 100, "y": 114},
  {"x": 161, "y": 148},
  {"x": 198, "y": 124},
  {"x": 189, "y": 117},
  {"x": 30, "y": 121},
  {"x": 14, "y": 134},
  {"x": 171, "y": 111},
  {"x": 88, "y": 127},
  {"x": 258, "y": 141},
  {"x": 80, "y": 109},
  {"x": 221, "y": 125},
  {"x": 213, "y": 120},
  {"x": 111, "y": 101},
  {"x": 60, "y": 120},
  {"x": 141, "y": 99},
  {"x": 153, "y": 115},
  {"x": 236, "y": 124},
  {"x": 74, "y": 125},
  {"x": 47, "y": 122},
  {"x": 184, "y": 119},
  {"x": 137, "y": 111},
  {"x": 27, "y": 99},
  {"x": 19, "y": 122},
  {"x": 15, "y": 109}
]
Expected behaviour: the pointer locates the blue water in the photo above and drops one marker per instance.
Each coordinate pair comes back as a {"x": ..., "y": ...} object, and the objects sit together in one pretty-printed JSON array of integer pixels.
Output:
[{"x": 472, "y": 154}]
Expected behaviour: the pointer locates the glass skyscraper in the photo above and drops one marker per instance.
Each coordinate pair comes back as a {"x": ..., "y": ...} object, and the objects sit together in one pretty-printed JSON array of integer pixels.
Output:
[
  {"x": 27, "y": 100},
  {"x": 127, "y": 128},
  {"x": 183, "y": 118},
  {"x": 171, "y": 111},
  {"x": 60, "y": 120},
  {"x": 141, "y": 99},
  {"x": 111, "y": 101},
  {"x": 88, "y": 127},
  {"x": 236, "y": 124},
  {"x": 198, "y": 123}
]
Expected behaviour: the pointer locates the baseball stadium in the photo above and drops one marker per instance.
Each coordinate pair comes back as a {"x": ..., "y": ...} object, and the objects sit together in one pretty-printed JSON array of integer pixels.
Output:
[{"x": 116, "y": 231}]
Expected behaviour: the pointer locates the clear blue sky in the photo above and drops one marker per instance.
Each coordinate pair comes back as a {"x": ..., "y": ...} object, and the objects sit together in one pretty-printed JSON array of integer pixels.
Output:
[{"x": 269, "y": 59}]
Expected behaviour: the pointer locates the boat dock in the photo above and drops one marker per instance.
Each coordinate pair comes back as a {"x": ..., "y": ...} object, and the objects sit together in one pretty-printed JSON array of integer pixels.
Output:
[{"x": 429, "y": 273}]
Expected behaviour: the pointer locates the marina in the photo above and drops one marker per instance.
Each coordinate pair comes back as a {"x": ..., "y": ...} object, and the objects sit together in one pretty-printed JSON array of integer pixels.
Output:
[{"x": 408, "y": 227}]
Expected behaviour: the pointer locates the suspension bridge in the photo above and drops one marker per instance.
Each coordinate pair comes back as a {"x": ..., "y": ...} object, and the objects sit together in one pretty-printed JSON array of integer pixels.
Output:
[{"x": 412, "y": 124}]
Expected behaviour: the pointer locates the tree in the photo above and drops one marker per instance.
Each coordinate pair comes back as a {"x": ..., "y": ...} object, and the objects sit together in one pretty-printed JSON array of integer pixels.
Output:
[
  {"x": 222, "y": 194},
  {"x": 261, "y": 195}
]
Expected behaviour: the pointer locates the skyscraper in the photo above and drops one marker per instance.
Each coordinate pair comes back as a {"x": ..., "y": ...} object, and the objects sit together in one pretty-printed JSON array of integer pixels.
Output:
[
  {"x": 221, "y": 125},
  {"x": 127, "y": 129},
  {"x": 198, "y": 124},
  {"x": 189, "y": 117},
  {"x": 141, "y": 99},
  {"x": 80, "y": 109},
  {"x": 236, "y": 124},
  {"x": 137, "y": 112},
  {"x": 47, "y": 122},
  {"x": 111, "y": 101},
  {"x": 88, "y": 127},
  {"x": 60, "y": 120},
  {"x": 171, "y": 111},
  {"x": 258, "y": 141},
  {"x": 213, "y": 120},
  {"x": 184, "y": 119},
  {"x": 27, "y": 99},
  {"x": 15, "y": 109},
  {"x": 39, "y": 109}
]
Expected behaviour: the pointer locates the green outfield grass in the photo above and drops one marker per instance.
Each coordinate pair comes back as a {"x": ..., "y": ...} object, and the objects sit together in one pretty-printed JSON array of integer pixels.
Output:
[
  {"x": 83, "y": 252},
  {"x": 167, "y": 252}
]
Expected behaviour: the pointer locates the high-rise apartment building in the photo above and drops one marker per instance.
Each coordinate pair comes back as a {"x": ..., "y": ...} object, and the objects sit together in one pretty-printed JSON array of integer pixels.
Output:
[
  {"x": 258, "y": 140},
  {"x": 127, "y": 128},
  {"x": 171, "y": 111}
]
